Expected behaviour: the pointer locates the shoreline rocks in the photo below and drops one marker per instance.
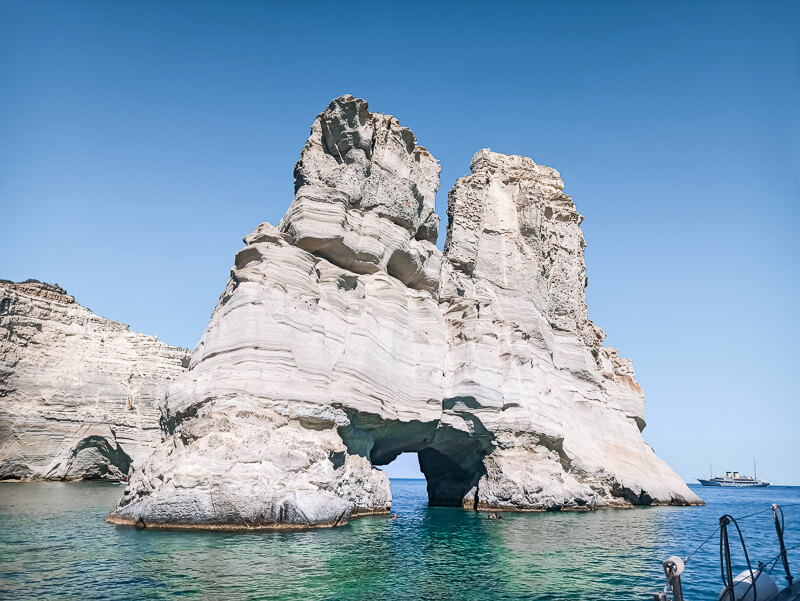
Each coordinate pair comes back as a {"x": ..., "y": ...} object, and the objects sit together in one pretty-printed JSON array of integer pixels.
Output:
[
  {"x": 344, "y": 337},
  {"x": 78, "y": 393}
]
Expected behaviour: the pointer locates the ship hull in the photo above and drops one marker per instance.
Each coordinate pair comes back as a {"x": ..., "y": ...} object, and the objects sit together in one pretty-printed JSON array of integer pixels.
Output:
[
  {"x": 732, "y": 483},
  {"x": 745, "y": 484}
]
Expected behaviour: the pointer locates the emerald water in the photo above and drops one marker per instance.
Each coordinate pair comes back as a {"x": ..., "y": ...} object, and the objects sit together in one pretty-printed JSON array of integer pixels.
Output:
[{"x": 54, "y": 543}]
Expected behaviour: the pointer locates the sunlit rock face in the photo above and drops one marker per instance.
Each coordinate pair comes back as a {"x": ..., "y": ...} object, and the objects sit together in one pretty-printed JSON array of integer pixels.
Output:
[
  {"x": 78, "y": 393},
  {"x": 345, "y": 337},
  {"x": 523, "y": 357}
]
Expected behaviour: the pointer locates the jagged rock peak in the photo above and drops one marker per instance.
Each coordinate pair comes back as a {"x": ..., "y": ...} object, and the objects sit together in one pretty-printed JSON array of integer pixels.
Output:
[
  {"x": 511, "y": 225},
  {"x": 517, "y": 166},
  {"x": 365, "y": 194},
  {"x": 42, "y": 289},
  {"x": 78, "y": 393}
]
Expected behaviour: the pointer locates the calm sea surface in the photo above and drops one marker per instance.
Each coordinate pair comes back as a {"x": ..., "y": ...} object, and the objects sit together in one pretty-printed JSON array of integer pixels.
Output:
[{"x": 54, "y": 543}]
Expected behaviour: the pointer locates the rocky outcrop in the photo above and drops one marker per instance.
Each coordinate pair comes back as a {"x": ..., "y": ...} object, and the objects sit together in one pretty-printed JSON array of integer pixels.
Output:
[
  {"x": 345, "y": 337},
  {"x": 78, "y": 393}
]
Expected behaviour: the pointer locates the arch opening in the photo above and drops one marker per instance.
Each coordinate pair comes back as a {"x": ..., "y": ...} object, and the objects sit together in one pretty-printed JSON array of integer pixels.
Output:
[{"x": 450, "y": 460}]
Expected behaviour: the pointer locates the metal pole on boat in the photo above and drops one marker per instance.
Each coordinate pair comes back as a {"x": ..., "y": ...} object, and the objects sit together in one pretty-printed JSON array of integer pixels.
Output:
[
  {"x": 673, "y": 568},
  {"x": 727, "y": 569},
  {"x": 779, "y": 528}
]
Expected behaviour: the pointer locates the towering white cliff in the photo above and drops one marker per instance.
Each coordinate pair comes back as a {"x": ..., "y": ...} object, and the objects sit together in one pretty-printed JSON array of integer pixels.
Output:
[
  {"x": 344, "y": 338},
  {"x": 78, "y": 393}
]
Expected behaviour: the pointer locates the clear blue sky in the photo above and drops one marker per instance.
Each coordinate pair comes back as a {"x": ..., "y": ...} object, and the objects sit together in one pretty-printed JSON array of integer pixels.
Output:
[{"x": 142, "y": 140}]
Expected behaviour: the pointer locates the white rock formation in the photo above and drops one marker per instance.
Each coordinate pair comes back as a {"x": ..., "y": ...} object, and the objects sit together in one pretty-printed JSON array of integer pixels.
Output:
[
  {"x": 78, "y": 393},
  {"x": 344, "y": 337}
]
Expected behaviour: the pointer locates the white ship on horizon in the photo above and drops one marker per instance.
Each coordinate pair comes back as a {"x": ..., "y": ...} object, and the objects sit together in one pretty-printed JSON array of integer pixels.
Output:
[{"x": 735, "y": 480}]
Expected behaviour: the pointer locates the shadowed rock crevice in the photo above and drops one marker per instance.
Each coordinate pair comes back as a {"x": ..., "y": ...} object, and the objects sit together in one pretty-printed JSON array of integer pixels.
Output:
[
  {"x": 451, "y": 479},
  {"x": 11, "y": 470},
  {"x": 98, "y": 458}
]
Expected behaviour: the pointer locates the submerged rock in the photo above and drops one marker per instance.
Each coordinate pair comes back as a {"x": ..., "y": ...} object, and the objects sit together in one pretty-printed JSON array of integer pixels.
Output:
[
  {"x": 78, "y": 393},
  {"x": 344, "y": 337}
]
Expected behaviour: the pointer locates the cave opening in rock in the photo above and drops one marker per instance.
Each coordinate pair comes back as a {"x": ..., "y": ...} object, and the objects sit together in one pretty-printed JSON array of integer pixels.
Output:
[
  {"x": 448, "y": 484},
  {"x": 451, "y": 461}
]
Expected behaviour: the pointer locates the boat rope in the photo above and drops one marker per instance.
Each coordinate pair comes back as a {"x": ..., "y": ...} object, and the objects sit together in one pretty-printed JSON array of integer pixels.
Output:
[
  {"x": 710, "y": 536},
  {"x": 779, "y": 528},
  {"x": 749, "y": 515},
  {"x": 725, "y": 559},
  {"x": 744, "y": 517},
  {"x": 774, "y": 561},
  {"x": 724, "y": 546}
]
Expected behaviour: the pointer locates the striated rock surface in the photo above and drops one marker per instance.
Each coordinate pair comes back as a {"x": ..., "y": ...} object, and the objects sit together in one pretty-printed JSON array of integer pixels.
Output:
[
  {"x": 345, "y": 337},
  {"x": 78, "y": 393}
]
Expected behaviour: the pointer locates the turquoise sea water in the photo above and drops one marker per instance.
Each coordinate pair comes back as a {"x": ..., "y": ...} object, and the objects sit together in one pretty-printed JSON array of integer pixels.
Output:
[{"x": 54, "y": 544}]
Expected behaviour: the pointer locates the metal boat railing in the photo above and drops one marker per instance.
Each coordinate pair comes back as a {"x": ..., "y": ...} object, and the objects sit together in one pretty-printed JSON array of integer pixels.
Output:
[{"x": 675, "y": 566}]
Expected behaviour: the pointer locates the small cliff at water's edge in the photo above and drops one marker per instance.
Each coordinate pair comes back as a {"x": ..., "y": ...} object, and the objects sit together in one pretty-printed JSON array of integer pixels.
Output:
[
  {"x": 78, "y": 393},
  {"x": 344, "y": 337}
]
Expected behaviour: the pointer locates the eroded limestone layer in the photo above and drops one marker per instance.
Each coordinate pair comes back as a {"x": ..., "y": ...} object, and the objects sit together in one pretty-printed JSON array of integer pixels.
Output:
[
  {"x": 345, "y": 337},
  {"x": 78, "y": 393}
]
